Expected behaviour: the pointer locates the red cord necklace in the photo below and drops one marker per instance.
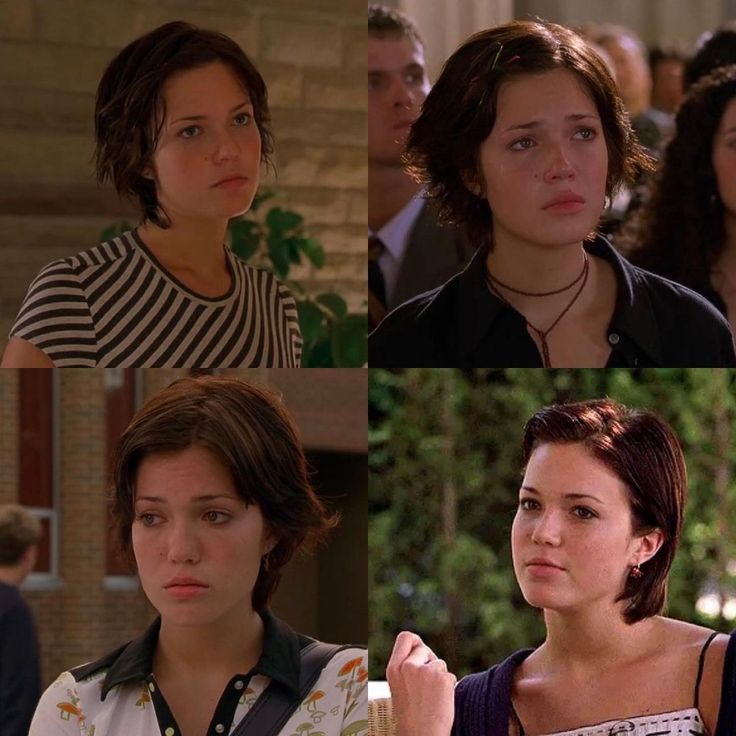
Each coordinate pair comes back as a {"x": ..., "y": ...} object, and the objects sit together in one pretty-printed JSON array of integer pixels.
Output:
[{"x": 492, "y": 283}]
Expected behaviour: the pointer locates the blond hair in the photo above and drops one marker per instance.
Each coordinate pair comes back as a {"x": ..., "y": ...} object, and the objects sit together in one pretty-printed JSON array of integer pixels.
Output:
[{"x": 19, "y": 530}]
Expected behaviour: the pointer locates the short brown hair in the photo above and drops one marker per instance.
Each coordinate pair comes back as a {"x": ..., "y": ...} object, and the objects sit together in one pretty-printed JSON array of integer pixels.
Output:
[
  {"x": 19, "y": 530},
  {"x": 251, "y": 434},
  {"x": 129, "y": 111},
  {"x": 643, "y": 451},
  {"x": 385, "y": 22},
  {"x": 460, "y": 112}
]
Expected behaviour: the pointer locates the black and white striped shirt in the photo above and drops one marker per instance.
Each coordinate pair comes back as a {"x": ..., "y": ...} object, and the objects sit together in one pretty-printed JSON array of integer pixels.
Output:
[{"x": 115, "y": 305}]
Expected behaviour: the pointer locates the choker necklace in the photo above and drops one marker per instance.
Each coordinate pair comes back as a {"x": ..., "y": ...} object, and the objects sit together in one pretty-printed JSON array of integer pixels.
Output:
[{"x": 542, "y": 334}]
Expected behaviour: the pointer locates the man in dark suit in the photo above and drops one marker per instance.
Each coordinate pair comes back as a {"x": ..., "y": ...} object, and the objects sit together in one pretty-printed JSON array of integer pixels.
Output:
[{"x": 408, "y": 250}]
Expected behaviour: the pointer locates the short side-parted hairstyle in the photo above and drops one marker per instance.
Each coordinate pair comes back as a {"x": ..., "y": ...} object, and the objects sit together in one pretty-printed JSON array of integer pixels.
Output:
[
  {"x": 19, "y": 530},
  {"x": 130, "y": 109},
  {"x": 643, "y": 451},
  {"x": 442, "y": 150},
  {"x": 385, "y": 22},
  {"x": 251, "y": 434}
]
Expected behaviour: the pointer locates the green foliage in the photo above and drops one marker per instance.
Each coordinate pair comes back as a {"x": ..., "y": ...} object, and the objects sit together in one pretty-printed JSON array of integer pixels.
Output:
[
  {"x": 445, "y": 447},
  {"x": 332, "y": 337}
]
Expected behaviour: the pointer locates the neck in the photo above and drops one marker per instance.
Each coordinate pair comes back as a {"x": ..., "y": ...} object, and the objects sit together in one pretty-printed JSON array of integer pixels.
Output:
[
  {"x": 188, "y": 245},
  {"x": 232, "y": 644},
  {"x": 592, "y": 639},
  {"x": 389, "y": 190},
  {"x": 530, "y": 267},
  {"x": 12, "y": 575}
]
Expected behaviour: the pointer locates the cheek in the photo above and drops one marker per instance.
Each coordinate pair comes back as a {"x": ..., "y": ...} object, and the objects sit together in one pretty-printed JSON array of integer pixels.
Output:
[{"x": 724, "y": 164}]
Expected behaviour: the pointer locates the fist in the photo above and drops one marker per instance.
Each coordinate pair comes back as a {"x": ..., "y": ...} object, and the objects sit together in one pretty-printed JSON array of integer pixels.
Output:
[{"x": 422, "y": 690}]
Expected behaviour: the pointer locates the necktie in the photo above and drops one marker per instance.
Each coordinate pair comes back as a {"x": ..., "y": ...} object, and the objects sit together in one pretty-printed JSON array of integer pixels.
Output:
[{"x": 376, "y": 283}]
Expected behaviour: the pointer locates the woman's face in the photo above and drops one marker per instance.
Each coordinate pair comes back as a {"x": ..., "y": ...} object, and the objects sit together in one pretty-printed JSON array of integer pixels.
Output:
[
  {"x": 208, "y": 159},
  {"x": 571, "y": 539},
  {"x": 724, "y": 158},
  {"x": 197, "y": 545},
  {"x": 545, "y": 162}
]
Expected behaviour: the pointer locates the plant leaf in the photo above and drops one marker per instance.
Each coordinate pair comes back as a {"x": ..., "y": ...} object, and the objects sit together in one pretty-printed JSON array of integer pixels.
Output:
[
  {"x": 245, "y": 237},
  {"x": 278, "y": 250},
  {"x": 349, "y": 341},
  {"x": 335, "y": 303},
  {"x": 314, "y": 251},
  {"x": 279, "y": 221},
  {"x": 310, "y": 321}
]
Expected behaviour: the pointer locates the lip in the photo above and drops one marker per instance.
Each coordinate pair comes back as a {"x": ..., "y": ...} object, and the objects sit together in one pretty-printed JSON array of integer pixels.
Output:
[
  {"x": 230, "y": 182},
  {"x": 185, "y": 581},
  {"x": 543, "y": 562},
  {"x": 569, "y": 201}
]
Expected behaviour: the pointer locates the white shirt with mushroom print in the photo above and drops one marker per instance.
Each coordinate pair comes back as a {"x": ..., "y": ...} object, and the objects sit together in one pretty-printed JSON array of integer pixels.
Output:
[{"x": 336, "y": 706}]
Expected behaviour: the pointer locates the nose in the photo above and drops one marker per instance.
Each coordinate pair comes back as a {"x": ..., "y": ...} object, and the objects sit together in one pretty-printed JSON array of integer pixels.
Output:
[
  {"x": 559, "y": 167},
  {"x": 547, "y": 530},
  {"x": 182, "y": 545},
  {"x": 226, "y": 147},
  {"x": 401, "y": 94}
]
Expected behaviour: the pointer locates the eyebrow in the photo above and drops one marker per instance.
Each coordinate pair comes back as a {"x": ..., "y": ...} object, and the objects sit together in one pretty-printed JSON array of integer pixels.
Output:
[
  {"x": 412, "y": 67},
  {"x": 538, "y": 123},
  {"x": 574, "y": 496},
  {"x": 204, "y": 117},
  {"x": 196, "y": 499}
]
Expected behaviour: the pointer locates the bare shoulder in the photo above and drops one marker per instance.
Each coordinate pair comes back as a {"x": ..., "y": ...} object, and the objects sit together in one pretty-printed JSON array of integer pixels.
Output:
[
  {"x": 20, "y": 353},
  {"x": 690, "y": 640},
  {"x": 711, "y": 681}
]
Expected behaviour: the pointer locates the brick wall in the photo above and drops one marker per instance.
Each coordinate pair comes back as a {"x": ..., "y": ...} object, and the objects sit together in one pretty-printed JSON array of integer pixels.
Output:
[
  {"x": 52, "y": 54},
  {"x": 80, "y": 618}
]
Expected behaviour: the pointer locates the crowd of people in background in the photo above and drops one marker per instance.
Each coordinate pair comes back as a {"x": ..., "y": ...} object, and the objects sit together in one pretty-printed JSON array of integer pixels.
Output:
[{"x": 676, "y": 220}]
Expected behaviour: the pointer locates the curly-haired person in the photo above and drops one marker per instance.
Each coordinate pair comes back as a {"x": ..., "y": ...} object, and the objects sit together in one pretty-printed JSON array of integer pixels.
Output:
[{"x": 687, "y": 229}]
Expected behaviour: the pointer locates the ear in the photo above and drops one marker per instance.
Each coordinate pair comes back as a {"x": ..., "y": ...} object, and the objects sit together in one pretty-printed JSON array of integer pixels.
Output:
[
  {"x": 647, "y": 546},
  {"x": 270, "y": 540},
  {"x": 473, "y": 182},
  {"x": 147, "y": 172},
  {"x": 28, "y": 559}
]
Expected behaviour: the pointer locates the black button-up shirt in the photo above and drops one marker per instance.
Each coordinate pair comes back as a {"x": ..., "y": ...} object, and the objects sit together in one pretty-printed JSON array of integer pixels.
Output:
[{"x": 656, "y": 322}]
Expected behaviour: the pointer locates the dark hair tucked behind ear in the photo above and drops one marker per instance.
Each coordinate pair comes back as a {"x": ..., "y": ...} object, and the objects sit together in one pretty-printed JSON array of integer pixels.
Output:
[
  {"x": 251, "y": 434},
  {"x": 460, "y": 112},
  {"x": 129, "y": 111},
  {"x": 642, "y": 450}
]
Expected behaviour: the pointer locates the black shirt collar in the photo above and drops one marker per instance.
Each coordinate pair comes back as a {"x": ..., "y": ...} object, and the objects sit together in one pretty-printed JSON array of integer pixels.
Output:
[
  {"x": 280, "y": 659},
  {"x": 632, "y": 330}
]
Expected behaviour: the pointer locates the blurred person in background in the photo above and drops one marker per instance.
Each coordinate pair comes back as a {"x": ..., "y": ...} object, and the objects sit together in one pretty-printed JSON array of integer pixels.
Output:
[
  {"x": 20, "y": 670},
  {"x": 686, "y": 230},
  {"x": 408, "y": 250},
  {"x": 667, "y": 67},
  {"x": 522, "y": 140},
  {"x": 598, "y": 523},
  {"x": 634, "y": 80},
  {"x": 712, "y": 49}
]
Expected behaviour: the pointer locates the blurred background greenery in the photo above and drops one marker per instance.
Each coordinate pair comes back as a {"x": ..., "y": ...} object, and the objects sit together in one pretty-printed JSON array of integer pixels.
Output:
[{"x": 445, "y": 462}]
